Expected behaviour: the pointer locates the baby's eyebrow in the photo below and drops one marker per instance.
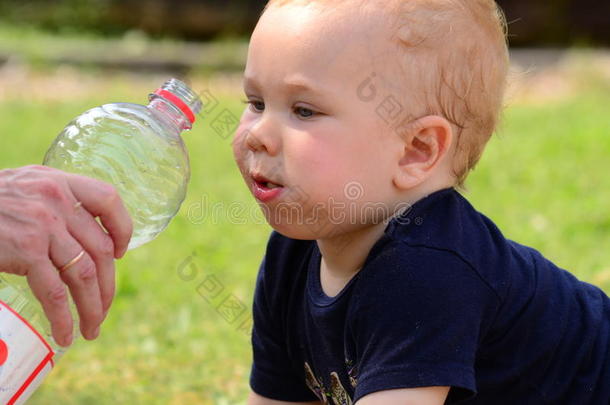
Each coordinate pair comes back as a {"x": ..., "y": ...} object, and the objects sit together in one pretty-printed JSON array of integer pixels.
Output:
[
  {"x": 298, "y": 85},
  {"x": 250, "y": 82},
  {"x": 291, "y": 85}
]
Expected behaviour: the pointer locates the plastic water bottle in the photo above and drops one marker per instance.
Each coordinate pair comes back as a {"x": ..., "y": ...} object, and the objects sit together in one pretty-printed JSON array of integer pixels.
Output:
[{"x": 136, "y": 148}]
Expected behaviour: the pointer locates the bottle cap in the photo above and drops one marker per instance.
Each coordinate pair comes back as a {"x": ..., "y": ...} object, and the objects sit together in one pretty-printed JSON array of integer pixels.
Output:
[{"x": 181, "y": 96}]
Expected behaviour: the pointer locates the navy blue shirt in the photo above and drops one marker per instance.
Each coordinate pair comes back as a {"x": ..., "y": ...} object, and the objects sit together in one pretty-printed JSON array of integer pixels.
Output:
[{"x": 443, "y": 299}]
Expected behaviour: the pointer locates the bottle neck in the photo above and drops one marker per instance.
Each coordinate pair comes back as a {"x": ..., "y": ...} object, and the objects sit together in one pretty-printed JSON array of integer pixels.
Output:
[{"x": 170, "y": 113}]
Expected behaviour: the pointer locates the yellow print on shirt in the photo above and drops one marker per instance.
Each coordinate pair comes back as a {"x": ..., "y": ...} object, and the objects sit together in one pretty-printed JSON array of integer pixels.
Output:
[
  {"x": 336, "y": 393},
  {"x": 339, "y": 395}
]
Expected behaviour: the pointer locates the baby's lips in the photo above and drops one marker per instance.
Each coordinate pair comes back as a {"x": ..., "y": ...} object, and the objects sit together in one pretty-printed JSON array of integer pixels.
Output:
[
  {"x": 266, "y": 194},
  {"x": 260, "y": 179}
]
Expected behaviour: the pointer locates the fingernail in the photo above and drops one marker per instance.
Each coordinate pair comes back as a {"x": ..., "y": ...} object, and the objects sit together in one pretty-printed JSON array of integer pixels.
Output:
[
  {"x": 122, "y": 253},
  {"x": 68, "y": 339},
  {"x": 96, "y": 332}
]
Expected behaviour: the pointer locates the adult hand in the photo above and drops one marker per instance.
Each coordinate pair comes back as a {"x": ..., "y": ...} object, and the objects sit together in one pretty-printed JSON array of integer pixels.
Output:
[{"x": 47, "y": 218}]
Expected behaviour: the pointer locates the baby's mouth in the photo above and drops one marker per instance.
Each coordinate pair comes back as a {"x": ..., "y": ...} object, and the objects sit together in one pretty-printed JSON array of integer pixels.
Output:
[
  {"x": 268, "y": 185},
  {"x": 262, "y": 181},
  {"x": 264, "y": 189}
]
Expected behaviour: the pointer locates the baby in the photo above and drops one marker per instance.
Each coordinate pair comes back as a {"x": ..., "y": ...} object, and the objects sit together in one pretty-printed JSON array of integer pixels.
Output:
[{"x": 381, "y": 284}]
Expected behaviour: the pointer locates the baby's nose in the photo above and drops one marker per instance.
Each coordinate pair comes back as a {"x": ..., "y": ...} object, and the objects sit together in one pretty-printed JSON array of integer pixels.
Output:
[
  {"x": 262, "y": 138},
  {"x": 253, "y": 142}
]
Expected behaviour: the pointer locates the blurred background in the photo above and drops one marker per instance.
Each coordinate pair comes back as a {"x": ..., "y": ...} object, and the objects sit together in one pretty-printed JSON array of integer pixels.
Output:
[{"x": 178, "y": 332}]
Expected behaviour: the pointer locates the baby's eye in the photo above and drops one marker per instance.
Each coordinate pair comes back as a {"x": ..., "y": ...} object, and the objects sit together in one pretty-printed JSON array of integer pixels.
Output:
[
  {"x": 256, "y": 105},
  {"x": 303, "y": 112}
]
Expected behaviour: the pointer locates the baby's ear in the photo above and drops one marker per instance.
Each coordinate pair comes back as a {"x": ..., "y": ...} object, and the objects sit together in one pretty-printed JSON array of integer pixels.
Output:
[{"x": 425, "y": 142}]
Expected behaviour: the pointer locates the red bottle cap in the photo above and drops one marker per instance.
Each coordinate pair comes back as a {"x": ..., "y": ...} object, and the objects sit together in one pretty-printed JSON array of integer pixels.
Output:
[{"x": 177, "y": 101}]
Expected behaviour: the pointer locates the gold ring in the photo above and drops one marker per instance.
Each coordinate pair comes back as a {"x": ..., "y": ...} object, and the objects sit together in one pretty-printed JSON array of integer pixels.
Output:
[
  {"x": 77, "y": 205},
  {"x": 72, "y": 262}
]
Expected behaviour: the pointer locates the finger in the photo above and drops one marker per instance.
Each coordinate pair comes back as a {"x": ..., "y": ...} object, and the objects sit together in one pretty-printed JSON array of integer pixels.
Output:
[
  {"x": 92, "y": 237},
  {"x": 50, "y": 290},
  {"x": 101, "y": 199},
  {"x": 81, "y": 277}
]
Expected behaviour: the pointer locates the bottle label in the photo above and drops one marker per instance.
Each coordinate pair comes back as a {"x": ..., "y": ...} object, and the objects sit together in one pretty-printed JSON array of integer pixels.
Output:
[{"x": 25, "y": 357}]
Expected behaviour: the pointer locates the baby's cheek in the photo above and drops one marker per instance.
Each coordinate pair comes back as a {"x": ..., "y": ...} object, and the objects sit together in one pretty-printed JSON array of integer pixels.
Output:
[
  {"x": 306, "y": 159},
  {"x": 323, "y": 174},
  {"x": 239, "y": 142},
  {"x": 240, "y": 153}
]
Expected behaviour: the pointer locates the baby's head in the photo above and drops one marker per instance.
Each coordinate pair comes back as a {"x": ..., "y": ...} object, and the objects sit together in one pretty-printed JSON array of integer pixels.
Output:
[{"x": 363, "y": 105}]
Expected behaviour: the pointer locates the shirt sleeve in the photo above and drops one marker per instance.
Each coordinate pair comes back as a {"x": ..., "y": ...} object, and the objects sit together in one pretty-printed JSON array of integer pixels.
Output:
[
  {"x": 274, "y": 375},
  {"x": 418, "y": 322}
]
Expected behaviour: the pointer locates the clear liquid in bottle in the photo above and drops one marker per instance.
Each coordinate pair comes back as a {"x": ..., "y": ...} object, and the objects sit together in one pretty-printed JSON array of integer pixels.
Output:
[{"x": 138, "y": 149}]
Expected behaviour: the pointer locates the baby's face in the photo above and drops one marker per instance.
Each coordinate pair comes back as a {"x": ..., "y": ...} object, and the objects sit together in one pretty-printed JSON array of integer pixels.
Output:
[{"x": 327, "y": 153}]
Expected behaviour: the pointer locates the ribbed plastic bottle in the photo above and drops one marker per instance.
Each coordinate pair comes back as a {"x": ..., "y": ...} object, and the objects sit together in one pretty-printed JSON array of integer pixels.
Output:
[{"x": 136, "y": 148}]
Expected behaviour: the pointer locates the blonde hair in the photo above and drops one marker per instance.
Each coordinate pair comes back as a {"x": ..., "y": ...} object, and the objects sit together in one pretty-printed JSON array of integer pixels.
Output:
[{"x": 462, "y": 55}]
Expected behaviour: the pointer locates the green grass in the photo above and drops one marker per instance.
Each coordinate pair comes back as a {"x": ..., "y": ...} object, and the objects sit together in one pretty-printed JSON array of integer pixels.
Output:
[
  {"x": 544, "y": 181},
  {"x": 45, "y": 50}
]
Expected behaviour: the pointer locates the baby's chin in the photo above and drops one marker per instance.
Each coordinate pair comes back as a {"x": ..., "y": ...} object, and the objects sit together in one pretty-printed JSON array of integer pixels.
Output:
[
  {"x": 308, "y": 230},
  {"x": 294, "y": 231}
]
